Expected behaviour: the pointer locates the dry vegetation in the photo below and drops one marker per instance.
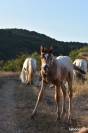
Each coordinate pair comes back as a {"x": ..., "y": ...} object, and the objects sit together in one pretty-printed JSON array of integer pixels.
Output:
[
  {"x": 17, "y": 102},
  {"x": 81, "y": 102}
]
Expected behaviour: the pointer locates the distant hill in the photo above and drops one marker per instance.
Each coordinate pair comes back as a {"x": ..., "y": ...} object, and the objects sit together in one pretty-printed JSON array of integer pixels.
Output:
[{"x": 16, "y": 41}]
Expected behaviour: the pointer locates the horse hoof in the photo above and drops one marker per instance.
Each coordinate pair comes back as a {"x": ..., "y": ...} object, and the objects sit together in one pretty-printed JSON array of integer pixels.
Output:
[
  {"x": 57, "y": 118},
  {"x": 32, "y": 116},
  {"x": 63, "y": 115},
  {"x": 69, "y": 120}
]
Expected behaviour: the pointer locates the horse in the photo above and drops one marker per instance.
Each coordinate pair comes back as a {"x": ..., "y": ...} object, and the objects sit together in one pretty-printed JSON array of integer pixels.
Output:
[
  {"x": 28, "y": 71},
  {"x": 82, "y": 64},
  {"x": 56, "y": 71}
]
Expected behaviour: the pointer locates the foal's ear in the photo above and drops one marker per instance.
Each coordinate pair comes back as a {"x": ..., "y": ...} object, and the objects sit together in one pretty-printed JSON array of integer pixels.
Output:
[
  {"x": 51, "y": 49},
  {"x": 41, "y": 49}
]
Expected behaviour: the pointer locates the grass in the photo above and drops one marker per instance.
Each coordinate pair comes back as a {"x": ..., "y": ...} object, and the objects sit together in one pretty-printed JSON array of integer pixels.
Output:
[
  {"x": 45, "y": 121},
  {"x": 80, "y": 88}
]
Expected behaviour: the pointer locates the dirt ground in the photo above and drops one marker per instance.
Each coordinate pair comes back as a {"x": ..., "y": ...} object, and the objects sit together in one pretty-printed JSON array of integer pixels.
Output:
[{"x": 17, "y": 102}]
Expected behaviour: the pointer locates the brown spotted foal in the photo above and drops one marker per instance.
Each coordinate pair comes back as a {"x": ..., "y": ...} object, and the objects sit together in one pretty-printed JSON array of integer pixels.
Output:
[{"x": 52, "y": 71}]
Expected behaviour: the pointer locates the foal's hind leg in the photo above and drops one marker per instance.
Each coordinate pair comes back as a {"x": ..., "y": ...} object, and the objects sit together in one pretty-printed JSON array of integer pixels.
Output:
[
  {"x": 40, "y": 95},
  {"x": 70, "y": 100},
  {"x": 57, "y": 99},
  {"x": 63, "y": 112}
]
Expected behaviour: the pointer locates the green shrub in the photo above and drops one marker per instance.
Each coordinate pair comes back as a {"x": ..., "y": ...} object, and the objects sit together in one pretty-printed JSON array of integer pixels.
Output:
[
  {"x": 16, "y": 65},
  {"x": 78, "y": 53},
  {"x": 9, "y": 66},
  {"x": 74, "y": 54}
]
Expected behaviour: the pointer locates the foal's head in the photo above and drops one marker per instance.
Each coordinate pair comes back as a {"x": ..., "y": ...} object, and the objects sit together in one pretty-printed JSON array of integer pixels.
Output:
[{"x": 46, "y": 59}]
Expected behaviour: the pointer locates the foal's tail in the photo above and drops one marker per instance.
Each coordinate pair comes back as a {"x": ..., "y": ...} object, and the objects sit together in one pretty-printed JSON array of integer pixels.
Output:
[{"x": 78, "y": 69}]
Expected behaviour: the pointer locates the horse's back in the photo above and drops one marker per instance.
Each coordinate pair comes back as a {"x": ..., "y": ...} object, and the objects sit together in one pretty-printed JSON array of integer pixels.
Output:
[{"x": 65, "y": 61}]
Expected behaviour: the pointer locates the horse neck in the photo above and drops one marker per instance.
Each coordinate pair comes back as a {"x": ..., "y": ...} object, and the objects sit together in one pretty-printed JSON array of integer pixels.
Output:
[{"x": 53, "y": 67}]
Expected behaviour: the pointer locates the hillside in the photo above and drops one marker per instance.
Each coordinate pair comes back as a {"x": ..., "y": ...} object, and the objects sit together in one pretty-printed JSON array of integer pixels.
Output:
[{"x": 16, "y": 41}]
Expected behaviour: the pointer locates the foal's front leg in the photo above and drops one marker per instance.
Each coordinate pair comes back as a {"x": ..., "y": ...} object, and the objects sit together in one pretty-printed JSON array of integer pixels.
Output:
[{"x": 40, "y": 95}]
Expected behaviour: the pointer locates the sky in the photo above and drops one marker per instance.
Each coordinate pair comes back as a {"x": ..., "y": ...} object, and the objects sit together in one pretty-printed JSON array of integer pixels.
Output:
[{"x": 63, "y": 20}]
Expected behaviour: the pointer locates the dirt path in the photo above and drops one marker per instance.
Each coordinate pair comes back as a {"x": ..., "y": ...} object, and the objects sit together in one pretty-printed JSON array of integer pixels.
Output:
[
  {"x": 7, "y": 105},
  {"x": 17, "y": 102}
]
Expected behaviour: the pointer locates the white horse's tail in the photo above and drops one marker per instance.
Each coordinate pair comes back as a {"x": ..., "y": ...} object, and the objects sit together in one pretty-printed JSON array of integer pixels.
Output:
[
  {"x": 22, "y": 76},
  {"x": 30, "y": 71}
]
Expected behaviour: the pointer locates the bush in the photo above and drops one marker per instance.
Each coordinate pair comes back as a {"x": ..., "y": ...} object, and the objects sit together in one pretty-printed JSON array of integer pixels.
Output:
[
  {"x": 16, "y": 65},
  {"x": 78, "y": 53},
  {"x": 9, "y": 66},
  {"x": 74, "y": 54}
]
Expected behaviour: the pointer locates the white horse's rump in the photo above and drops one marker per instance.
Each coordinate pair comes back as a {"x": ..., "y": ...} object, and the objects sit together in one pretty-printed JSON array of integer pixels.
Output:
[
  {"x": 82, "y": 64},
  {"x": 28, "y": 70}
]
